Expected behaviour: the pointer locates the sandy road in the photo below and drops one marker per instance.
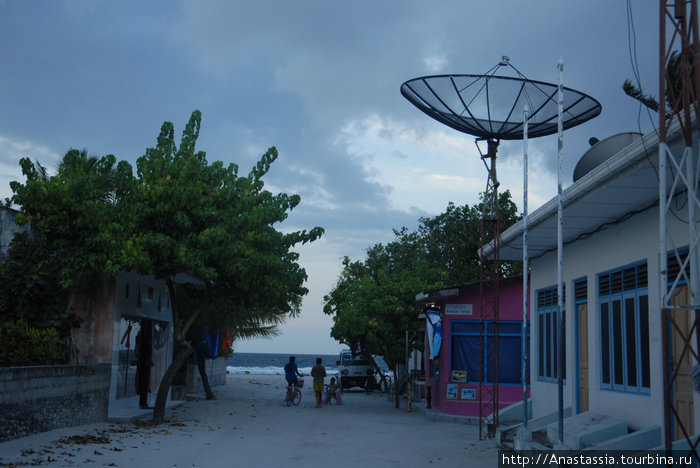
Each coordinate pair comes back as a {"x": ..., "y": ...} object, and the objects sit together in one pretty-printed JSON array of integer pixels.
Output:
[{"x": 250, "y": 425}]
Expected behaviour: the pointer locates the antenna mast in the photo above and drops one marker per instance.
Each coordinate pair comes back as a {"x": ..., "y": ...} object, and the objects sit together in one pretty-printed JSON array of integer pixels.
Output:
[
  {"x": 489, "y": 106},
  {"x": 679, "y": 174}
]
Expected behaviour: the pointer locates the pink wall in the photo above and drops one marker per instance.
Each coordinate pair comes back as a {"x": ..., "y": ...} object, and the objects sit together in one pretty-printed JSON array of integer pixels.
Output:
[{"x": 510, "y": 308}]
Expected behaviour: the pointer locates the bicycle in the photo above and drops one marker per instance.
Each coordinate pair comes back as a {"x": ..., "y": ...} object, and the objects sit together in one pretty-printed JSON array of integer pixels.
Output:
[
  {"x": 376, "y": 382},
  {"x": 293, "y": 396}
]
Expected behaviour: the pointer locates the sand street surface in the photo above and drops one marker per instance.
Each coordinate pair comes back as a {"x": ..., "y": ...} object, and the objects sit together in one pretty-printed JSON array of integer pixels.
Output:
[{"x": 250, "y": 425}]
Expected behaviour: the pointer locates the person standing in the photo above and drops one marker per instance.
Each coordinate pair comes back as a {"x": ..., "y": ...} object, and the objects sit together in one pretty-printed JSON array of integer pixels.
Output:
[
  {"x": 144, "y": 352},
  {"x": 318, "y": 372}
]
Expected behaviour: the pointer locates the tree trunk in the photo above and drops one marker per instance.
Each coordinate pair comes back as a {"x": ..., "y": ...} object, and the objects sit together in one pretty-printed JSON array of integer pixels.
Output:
[
  {"x": 383, "y": 386},
  {"x": 184, "y": 353},
  {"x": 205, "y": 380},
  {"x": 167, "y": 380}
]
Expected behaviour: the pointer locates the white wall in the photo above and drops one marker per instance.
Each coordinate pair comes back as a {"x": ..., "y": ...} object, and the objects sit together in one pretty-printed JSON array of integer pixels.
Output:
[
  {"x": 127, "y": 306},
  {"x": 632, "y": 241}
]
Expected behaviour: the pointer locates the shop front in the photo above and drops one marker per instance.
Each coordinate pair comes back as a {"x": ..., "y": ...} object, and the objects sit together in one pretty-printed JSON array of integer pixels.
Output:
[{"x": 458, "y": 353}]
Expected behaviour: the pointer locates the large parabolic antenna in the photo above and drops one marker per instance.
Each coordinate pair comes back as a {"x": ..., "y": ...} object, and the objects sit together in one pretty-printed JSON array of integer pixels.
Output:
[{"x": 491, "y": 107}]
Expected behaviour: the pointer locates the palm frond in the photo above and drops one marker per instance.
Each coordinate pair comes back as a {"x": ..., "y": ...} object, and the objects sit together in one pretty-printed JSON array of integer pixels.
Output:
[
  {"x": 41, "y": 170},
  {"x": 635, "y": 93},
  {"x": 248, "y": 332}
]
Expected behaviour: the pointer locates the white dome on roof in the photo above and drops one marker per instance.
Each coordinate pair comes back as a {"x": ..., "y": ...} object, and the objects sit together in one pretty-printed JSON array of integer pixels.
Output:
[{"x": 602, "y": 150}]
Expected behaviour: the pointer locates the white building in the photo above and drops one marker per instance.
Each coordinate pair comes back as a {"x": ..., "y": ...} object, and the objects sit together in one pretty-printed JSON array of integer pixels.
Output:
[{"x": 611, "y": 275}]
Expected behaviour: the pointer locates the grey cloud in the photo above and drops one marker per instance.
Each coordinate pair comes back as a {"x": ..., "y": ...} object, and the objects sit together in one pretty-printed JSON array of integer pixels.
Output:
[{"x": 104, "y": 76}]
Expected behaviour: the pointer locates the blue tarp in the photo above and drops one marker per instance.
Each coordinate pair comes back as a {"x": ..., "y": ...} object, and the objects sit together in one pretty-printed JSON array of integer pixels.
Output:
[{"x": 212, "y": 342}]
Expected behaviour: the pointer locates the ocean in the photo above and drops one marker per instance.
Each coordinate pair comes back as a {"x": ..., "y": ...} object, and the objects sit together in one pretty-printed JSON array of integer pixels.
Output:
[{"x": 268, "y": 363}]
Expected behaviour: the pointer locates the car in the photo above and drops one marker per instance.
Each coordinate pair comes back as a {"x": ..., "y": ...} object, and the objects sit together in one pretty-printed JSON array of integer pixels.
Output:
[{"x": 353, "y": 371}]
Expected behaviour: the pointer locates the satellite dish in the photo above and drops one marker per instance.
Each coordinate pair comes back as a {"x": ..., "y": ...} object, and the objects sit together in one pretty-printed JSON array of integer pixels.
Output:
[
  {"x": 601, "y": 151},
  {"x": 490, "y": 106}
]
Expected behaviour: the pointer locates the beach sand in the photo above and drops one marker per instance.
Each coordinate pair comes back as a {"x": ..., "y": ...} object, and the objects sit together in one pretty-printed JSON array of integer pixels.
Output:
[{"x": 249, "y": 424}]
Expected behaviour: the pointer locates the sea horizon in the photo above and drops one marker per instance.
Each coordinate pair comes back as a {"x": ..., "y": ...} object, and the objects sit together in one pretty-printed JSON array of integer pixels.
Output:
[{"x": 273, "y": 363}]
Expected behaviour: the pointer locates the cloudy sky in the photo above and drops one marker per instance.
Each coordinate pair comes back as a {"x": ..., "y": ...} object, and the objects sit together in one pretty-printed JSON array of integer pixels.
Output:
[{"x": 320, "y": 81}]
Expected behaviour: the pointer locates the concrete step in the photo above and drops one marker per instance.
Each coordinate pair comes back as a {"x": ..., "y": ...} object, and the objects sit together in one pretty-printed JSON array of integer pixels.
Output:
[
  {"x": 643, "y": 439},
  {"x": 587, "y": 429}
]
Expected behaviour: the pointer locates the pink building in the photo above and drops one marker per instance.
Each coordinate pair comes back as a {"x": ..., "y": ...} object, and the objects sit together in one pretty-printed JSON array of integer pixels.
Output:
[{"x": 453, "y": 357}]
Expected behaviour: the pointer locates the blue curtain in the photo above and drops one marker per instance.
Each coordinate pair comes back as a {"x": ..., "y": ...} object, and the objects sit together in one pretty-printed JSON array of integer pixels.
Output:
[
  {"x": 509, "y": 359},
  {"x": 465, "y": 355}
]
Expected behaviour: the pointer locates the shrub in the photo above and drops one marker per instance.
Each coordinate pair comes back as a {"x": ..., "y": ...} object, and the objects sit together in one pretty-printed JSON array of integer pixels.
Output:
[{"x": 21, "y": 345}]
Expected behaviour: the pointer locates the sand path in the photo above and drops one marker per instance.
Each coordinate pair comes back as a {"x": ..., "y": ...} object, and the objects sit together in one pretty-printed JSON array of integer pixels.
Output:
[{"x": 250, "y": 425}]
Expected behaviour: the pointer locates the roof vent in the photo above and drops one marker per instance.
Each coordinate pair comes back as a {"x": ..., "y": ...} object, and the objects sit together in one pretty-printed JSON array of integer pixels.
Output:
[{"x": 602, "y": 150}]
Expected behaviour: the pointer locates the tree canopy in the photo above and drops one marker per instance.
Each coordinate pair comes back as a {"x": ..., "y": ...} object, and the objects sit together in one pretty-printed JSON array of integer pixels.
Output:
[
  {"x": 77, "y": 230},
  {"x": 452, "y": 240},
  {"x": 178, "y": 213},
  {"x": 373, "y": 301},
  {"x": 76, "y": 219},
  {"x": 204, "y": 219}
]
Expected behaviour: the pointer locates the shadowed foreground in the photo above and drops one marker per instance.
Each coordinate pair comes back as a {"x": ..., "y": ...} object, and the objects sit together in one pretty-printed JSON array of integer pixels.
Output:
[{"x": 250, "y": 425}]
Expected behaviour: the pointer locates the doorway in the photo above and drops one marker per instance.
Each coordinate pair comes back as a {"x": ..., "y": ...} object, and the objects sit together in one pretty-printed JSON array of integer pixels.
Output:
[{"x": 682, "y": 387}]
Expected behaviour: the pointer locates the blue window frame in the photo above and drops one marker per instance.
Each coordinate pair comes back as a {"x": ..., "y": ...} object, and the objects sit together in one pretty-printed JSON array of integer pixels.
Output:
[
  {"x": 547, "y": 327},
  {"x": 623, "y": 305},
  {"x": 580, "y": 298},
  {"x": 465, "y": 350}
]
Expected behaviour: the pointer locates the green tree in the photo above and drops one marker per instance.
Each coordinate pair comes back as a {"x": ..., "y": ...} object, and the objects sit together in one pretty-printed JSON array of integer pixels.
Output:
[
  {"x": 75, "y": 220},
  {"x": 201, "y": 218},
  {"x": 222, "y": 317},
  {"x": 77, "y": 233},
  {"x": 453, "y": 240},
  {"x": 373, "y": 300},
  {"x": 30, "y": 287}
]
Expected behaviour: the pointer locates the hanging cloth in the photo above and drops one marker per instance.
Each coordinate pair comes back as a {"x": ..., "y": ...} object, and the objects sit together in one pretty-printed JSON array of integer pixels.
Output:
[
  {"x": 227, "y": 342},
  {"x": 434, "y": 328},
  {"x": 198, "y": 354},
  {"x": 214, "y": 346}
]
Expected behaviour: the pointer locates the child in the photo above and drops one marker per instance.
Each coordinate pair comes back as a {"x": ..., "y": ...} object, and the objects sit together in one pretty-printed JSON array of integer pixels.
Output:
[{"x": 332, "y": 391}]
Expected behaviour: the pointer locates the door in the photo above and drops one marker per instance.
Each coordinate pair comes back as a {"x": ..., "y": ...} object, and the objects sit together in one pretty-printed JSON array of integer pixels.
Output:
[
  {"x": 682, "y": 388},
  {"x": 582, "y": 312}
]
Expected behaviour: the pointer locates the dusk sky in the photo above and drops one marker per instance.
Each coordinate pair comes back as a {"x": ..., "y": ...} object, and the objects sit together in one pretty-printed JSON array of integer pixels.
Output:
[{"x": 320, "y": 81}]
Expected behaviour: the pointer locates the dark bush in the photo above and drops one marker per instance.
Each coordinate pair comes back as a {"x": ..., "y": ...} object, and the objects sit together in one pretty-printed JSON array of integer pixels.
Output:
[{"x": 21, "y": 345}]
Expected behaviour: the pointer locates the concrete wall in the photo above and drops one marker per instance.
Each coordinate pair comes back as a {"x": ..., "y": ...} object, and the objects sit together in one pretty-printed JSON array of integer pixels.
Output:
[
  {"x": 216, "y": 371},
  {"x": 138, "y": 297},
  {"x": 631, "y": 241},
  {"x": 42, "y": 398},
  {"x": 93, "y": 301}
]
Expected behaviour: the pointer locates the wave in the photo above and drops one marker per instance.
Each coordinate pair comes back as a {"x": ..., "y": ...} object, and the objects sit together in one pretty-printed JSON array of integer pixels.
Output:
[{"x": 272, "y": 370}]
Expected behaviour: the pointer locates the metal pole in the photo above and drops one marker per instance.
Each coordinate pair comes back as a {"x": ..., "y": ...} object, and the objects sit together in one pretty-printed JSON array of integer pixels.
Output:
[
  {"x": 525, "y": 268},
  {"x": 692, "y": 233},
  {"x": 667, "y": 362},
  {"x": 663, "y": 259},
  {"x": 560, "y": 251}
]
